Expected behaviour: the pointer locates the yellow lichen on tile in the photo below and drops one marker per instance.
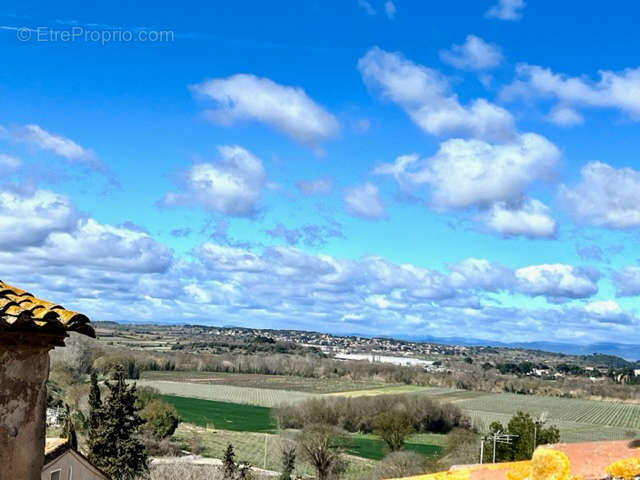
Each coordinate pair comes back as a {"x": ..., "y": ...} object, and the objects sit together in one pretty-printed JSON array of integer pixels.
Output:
[
  {"x": 20, "y": 310},
  {"x": 626, "y": 469}
]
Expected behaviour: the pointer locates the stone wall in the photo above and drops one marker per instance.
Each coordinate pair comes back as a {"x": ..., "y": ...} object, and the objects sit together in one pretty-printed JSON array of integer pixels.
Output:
[{"x": 23, "y": 397}]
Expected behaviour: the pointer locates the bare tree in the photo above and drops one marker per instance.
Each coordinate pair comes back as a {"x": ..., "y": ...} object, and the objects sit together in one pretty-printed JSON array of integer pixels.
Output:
[
  {"x": 321, "y": 445},
  {"x": 393, "y": 426}
]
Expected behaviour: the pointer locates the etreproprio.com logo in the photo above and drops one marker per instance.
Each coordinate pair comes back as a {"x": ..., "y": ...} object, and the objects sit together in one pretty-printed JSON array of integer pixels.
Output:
[{"x": 101, "y": 36}]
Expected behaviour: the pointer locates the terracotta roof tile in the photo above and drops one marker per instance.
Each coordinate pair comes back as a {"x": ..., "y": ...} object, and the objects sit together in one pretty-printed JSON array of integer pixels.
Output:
[
  {"x": 586, "y": 461},
  {"x": 20, "y": 310}
]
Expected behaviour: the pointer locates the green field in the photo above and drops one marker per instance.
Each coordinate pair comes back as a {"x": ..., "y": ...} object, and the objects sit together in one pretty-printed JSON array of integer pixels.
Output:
[
  {"x": 222, "y": 415},
  {"x": 578, "y": 420},
  {"x": 260, "y": 449},
  {"x": 370, "y": 446}
]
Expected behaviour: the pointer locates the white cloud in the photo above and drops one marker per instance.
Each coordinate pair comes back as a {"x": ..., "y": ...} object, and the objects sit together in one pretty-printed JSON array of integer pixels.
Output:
[
  {"x": 466, "y": 173},
  {"x": 607, "y": 311},
  {"x": 426, "y": 97},
  {"x": 618, "y": 90},
  {"x": 603, "y": 307},
  {"x": 367, "y": 7},
  {"x": 473, "y": 54},
  {"x": 320, "y": 186},
  {"x": 46, "y": 240},
  {"x": 627, "y": 281},
  {"x": 91, "y": 244},
  {"x": 557, "y": 281},
  {"x": 390, "y": 9},
  {"x": 565, "y": 116},
  {"x": 9, "y": 162},
  {"x": 27, "y": 218},
  {"x": 506, "y": 10},
  {"x": 530, "y": 218},
  {"x": 478, "y": 273},
  {"x": 231, "y": 186},
  {"x": 364, "y": 201},
  {"x": 605, "y": 196},
  {"x": 284, "y": 108},
  {"x": 54, "y": 143}
]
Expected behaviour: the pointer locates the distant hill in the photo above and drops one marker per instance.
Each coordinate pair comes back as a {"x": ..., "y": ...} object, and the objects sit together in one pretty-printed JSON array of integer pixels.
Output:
[{"x": 626, "y": 351}]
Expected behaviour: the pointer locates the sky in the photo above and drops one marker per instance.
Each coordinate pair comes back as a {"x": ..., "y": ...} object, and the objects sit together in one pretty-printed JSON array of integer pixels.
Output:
[{"x": 427, "y": 169}]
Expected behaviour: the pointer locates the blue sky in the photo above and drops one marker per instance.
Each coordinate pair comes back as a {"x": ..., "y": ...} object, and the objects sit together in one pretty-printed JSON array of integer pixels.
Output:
[{"x": 384, "y": 167}]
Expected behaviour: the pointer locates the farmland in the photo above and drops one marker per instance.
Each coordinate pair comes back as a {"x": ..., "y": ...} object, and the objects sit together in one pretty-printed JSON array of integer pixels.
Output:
[
  {"x": 577, "y": 419},
  {"x": 275, "y": 382},
  {"x": 566, "y": 409},
  {"x": 259, "y": 449},
  {"x": 221, "y": 415},
  {"x": 225, "y": 393},
  {"x": 370, "y": 446}
]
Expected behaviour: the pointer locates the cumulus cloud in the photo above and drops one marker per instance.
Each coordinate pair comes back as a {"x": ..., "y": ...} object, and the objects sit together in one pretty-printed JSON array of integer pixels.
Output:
[
  {"x": 607, "y": 311},
  {"x": 231, "y": 186},
  {"x": 50, "y": 248},
  {"x": 97, "y": 245},
  {"x": 605, "y": 196},
  {"x": 557, "y": 282},
  {"x": 473, "y": 54},
  {"x": 479, "y": 273},
  {"x": 390, "y": 9},
  {"x": 466, "y": 173},
  {"x": 54, "y": 143},
  {"x": 627, "y": 281},
  {"x": 111, "y": 272},
  {"x": 9, "y": 162},
  {"x": 565, "y": 116},
  {"x": 27, "y": 218},
  {"x": 617, "y": 90},
  {"x": 426, "y": 96},
  {"x": 530, "y": 218},
  {"x": 506, "y": 10},
  {"x": 286, "y": 109},
  {"x": 319, "y": 186},
  {"x": 364, "y": 201}
]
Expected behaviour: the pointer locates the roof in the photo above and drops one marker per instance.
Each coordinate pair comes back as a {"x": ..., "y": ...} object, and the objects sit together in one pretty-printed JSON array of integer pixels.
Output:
[
  {"x": 55, "y": 447},
  {"x": 563, "y": 461},
  {"x": 21, "y": 311}
]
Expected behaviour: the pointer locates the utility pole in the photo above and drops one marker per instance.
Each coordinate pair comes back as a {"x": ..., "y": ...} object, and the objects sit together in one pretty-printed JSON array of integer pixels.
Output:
[
  {"x": 266, "y": 439},
  {"x": 496, "y": 438}
]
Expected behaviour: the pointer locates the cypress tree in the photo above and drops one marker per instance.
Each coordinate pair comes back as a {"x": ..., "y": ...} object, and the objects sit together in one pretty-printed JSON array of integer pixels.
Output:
[
  {"x": 116, "y": 449},
  {"x": 288, "y": 463},
  {"x": 95, "y": 407},
  {"x": 229, "y": 464},
  {"x": 69, "y": 429}
]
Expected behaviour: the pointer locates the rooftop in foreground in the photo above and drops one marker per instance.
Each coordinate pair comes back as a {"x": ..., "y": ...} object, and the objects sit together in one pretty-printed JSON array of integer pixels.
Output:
[
  {"x": 562, "y": 461},
  {"x": 21, "y": 312}
]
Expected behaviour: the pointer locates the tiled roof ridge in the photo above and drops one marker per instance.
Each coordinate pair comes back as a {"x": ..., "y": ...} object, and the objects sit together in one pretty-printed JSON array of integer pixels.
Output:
[{"x": 20, "y": 311}]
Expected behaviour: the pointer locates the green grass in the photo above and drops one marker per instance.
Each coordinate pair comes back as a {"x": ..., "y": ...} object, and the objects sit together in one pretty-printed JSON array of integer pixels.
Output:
[
  {"x": 372, "y": 447},
  {"x": 251, "y": 448},
  {"x": 222, "y": 415}
]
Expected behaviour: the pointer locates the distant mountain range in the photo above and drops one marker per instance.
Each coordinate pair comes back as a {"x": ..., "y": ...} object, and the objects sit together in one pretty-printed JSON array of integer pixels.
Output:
[{"x": 626, "y": 351}]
